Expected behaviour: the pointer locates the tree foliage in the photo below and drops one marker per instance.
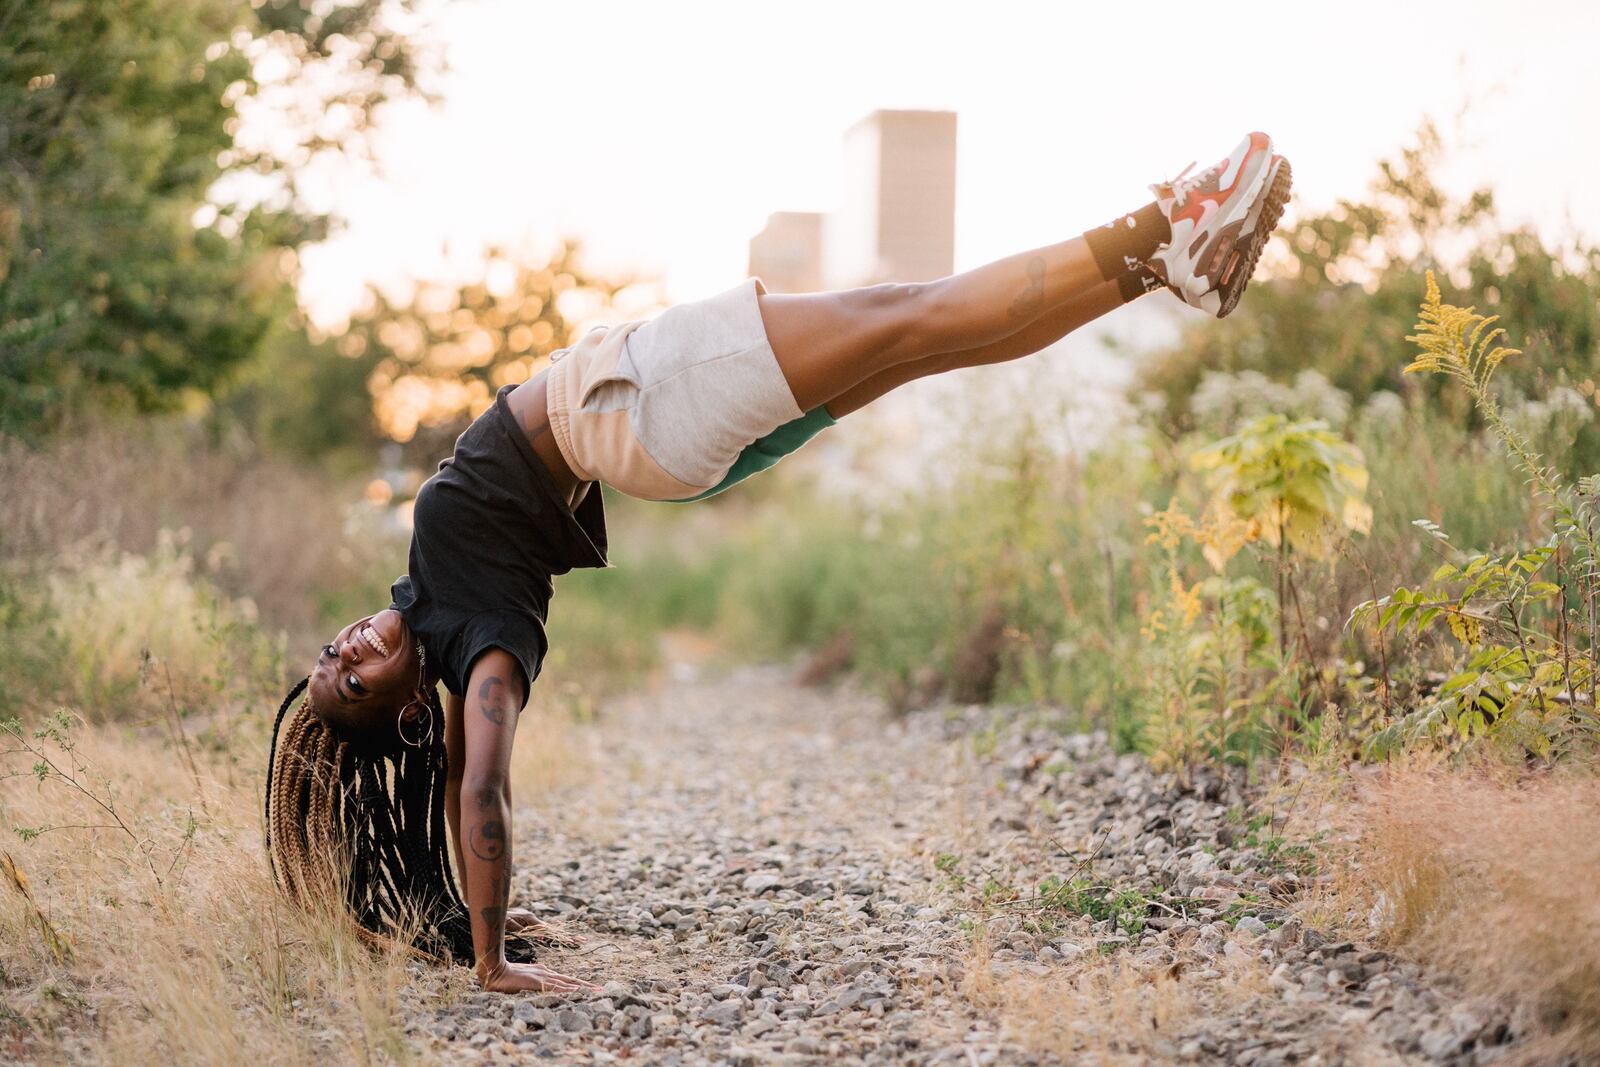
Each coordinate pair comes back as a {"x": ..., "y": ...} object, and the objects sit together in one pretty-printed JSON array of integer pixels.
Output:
[
  {"x": 150, "y": 154},
  {"x": 1348, "y": 280},
  {"x": 434, "y": 355}
]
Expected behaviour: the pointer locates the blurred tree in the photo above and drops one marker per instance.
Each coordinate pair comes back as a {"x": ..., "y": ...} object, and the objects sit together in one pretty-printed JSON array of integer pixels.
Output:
[
  {"x": 303, "y": 398},
  {"x": 437, "y": 355},
  {"x": 150, "y": 160},
  {"x": 1348, "y": 281}
]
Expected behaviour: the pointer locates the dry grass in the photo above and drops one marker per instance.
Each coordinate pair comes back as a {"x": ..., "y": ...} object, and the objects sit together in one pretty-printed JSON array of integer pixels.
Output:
[
  {"x": 173, "y": 947},
  {"x": 151, "y": 933},
  {"x": 1104, "y": 1010},
  {"x": 138, "y": 637},
  {"x": 138, "y": 920},
  {"x": 1492, "y": 874},
  {"x": 147, "y": 930},
  {"x": 550, "y": 752},
  {"x": 265, "y": 529}
]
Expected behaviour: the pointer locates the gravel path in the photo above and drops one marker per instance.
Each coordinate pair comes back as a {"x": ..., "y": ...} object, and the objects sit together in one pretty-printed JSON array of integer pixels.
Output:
[{"x": 767, "y": 875}]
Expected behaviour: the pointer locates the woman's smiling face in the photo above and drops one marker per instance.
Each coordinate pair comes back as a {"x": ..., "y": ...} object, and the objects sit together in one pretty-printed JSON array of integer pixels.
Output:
[{"x": 366, "y": 674}]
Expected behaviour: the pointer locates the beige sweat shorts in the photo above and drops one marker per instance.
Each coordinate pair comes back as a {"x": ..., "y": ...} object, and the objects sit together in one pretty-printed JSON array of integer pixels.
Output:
[{"x": 660, "y": 409}]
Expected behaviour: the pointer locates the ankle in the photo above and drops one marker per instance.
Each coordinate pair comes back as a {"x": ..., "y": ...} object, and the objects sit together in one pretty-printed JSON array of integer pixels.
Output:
[{"x": 1127, "y": 242}]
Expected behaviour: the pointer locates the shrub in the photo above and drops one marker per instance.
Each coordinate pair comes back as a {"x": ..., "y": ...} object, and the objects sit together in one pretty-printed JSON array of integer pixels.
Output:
[
  {"x": 1524, "y": 622},
  {"x": 124, "y": 636}
]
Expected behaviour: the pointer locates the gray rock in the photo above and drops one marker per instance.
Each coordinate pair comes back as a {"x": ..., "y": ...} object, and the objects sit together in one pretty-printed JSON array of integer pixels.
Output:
[
  {"x": 761, "y": 882},
  {"x": 783, "y": 896},
  {"x": 573, "y": 1021},
  {"x": 1440, "y": 1042},
  {"x": 1251, "y": 925}
]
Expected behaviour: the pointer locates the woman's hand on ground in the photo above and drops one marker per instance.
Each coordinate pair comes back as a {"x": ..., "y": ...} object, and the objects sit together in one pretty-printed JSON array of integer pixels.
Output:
[
  {"x": 524, "y": 923},
  {"x": 531, "y": 978}
]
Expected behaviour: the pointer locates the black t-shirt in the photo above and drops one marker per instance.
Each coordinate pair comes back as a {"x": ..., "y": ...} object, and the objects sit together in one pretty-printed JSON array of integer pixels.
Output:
[{"x": 489, "y": 531}]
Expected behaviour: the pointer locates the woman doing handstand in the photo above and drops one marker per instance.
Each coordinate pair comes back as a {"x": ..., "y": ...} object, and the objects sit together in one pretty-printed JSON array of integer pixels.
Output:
[{"x": 368, "y": 770}]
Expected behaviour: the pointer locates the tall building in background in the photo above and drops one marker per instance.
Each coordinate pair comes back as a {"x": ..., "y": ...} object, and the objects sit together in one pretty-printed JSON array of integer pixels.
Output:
[
  {"x": 897, "y": 205},
  {"x": 787, "y": 253},
  {"x": 896, "y": 219}
]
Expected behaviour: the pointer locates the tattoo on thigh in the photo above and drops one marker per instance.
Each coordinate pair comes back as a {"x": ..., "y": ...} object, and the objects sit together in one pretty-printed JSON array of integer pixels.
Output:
[
  {"x": 1031, "y": 299},
  {"x": 490, "y": 693},
  {"x": 488, "y": 841}
]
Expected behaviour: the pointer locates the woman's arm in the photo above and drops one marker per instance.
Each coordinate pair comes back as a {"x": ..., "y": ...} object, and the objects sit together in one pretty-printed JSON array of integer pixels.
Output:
[
  {"x": 518, "y": 920},
  {"x": 494, "y": 700}
]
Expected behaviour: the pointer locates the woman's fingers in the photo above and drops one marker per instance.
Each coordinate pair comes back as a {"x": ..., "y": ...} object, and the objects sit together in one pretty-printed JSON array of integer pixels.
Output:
[
  {"x": 532, "y": 978},
  {"x": 556, "y": 982}
]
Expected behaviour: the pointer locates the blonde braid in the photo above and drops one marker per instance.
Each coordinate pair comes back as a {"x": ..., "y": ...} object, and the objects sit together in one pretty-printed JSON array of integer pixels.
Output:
[
  {"x": 306, "y": 843},
  {"x": 338, "y": 827}
]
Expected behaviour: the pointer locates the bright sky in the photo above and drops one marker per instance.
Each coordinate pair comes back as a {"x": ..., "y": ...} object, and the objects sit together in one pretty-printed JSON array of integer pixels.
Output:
[{"x": 663, "y": 134}]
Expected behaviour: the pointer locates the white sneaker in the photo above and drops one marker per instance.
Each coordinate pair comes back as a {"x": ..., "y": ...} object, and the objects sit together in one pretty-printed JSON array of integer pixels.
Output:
[{"x": 1221, "y": 219}]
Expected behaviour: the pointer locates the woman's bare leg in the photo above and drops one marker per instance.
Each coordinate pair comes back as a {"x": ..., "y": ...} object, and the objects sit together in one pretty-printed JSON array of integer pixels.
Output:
[
  {"x": 827, "y": 343},
  {"x": 1042, "y": 332}
]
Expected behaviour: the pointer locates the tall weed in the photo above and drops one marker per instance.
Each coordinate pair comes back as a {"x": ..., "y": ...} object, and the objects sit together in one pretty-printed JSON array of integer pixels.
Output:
[
  {"x": 296, "y": 541},
  {"x": 118, "y": 635},
  {"x": 1523, "y": 623}
]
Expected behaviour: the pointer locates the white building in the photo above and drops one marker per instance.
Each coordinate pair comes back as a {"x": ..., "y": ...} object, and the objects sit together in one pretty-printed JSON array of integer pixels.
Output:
[{"x": 897, "y": 204}]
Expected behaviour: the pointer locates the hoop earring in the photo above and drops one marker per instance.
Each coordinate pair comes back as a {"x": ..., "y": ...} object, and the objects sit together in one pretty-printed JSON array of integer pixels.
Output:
[{"x": 400, "y": 725}]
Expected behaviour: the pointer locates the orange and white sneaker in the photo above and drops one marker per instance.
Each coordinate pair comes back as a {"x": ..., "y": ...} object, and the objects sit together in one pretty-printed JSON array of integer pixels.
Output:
[{"x": 1221, "y": 219}]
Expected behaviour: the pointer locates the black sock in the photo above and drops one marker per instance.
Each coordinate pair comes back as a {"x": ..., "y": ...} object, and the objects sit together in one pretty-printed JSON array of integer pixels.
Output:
[
  {"x": 1124, "y": 244},
  {"x": 1133, "y": 284}
]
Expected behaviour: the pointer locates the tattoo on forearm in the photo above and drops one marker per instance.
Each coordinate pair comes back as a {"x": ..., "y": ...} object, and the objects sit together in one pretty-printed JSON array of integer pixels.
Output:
[
  {"x": 1031, "y": 299},
  {"x": 489, "y": 696},
  {"x": 494, "y": 918},
  {"x": 487, "y": 797},
  {"x": 488, "y": 840}
]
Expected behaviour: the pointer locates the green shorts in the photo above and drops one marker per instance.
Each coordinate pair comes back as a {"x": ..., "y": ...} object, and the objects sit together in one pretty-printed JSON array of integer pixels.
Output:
[{"x": 766, "y": 452}]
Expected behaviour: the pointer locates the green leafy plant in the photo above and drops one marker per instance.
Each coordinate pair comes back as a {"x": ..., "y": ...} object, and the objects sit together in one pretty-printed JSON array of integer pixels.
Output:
[
  {"x": 1127, "y": 909},
  {"x": 1294, "y": 484},
  {"x": 1220, "y": 691},
  {"x": 1523, "y": 622}
]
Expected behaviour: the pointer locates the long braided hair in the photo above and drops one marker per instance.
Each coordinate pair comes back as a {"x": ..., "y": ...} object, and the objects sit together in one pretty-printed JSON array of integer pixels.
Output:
[{"x": 370, "y": 824}]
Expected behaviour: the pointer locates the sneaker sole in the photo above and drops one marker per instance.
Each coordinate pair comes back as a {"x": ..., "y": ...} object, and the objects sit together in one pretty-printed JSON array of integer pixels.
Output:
[{"x": 1258, "y": 229}]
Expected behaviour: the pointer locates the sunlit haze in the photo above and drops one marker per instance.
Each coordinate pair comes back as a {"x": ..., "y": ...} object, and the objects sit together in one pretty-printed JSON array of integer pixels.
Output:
[{"x": 663, "y": 135}]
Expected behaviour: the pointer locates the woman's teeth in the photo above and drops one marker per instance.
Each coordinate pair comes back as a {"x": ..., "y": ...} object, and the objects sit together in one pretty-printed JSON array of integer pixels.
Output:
[{"x": 373, "y": 640}]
